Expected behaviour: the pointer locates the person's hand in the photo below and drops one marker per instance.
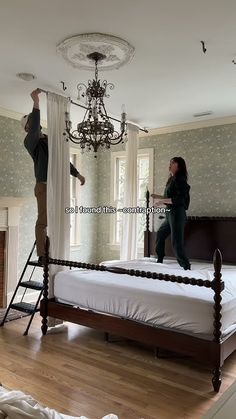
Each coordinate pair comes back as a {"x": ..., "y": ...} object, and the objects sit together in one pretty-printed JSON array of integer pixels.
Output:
[
  {"x": 159, "y": 203},
  {"x": 35, "y": 96},
  {"x": 82, "y": 179}
]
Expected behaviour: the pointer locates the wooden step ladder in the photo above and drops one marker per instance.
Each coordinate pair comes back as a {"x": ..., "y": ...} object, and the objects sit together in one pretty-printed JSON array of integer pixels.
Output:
[{"x": 29, "y": 308}]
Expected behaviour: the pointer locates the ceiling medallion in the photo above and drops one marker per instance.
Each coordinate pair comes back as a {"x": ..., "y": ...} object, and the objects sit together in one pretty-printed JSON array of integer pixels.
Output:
[{"x": 76, "y": 51}]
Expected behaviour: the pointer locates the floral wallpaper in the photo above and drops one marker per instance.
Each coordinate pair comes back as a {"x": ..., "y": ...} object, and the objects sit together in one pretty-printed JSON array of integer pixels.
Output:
[
  {"x": 17, "y": 180},
  {"x": 209, "y": 154}
]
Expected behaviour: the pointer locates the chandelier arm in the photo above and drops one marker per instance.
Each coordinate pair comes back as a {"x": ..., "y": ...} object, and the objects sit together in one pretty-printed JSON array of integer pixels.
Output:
[
  {"x": 73, "y": 141},
  {"x": 79, "y": 139},
  {"x": 81, "y": 87},
  {"x": 72, "y": 136},
  {"x": 117, "y": 142},
  {"x": 107, "y": 85},
  {"x": 118, "y": 139}
]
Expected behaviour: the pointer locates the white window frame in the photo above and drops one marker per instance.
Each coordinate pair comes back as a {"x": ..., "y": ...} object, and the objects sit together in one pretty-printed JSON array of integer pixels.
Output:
[
  {"x": 75, "y": 242},
  {"x": 113, "y": 189}
]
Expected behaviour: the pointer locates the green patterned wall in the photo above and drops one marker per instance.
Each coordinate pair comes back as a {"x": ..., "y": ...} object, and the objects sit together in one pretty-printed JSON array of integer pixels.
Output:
[{"x": 17, "y": 180}]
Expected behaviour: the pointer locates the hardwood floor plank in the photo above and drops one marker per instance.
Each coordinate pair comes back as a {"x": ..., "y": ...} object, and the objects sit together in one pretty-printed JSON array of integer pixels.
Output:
[{"x": 78, "y": 373}]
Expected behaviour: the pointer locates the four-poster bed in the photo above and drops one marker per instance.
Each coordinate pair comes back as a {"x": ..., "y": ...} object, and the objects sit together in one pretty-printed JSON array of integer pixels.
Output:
[{"x": 209, "y": 351}]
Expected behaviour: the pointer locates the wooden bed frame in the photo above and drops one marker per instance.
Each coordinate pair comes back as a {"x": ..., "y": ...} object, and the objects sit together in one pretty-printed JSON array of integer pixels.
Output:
[{"x": 209, "y": 352}]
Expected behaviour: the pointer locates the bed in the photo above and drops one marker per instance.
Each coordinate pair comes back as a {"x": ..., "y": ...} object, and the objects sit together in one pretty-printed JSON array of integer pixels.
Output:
[{"x": 188, "y": 312}]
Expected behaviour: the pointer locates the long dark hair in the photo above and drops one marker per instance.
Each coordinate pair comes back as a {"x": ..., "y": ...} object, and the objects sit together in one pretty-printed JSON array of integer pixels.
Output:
[{"x": 182, "y": 169}]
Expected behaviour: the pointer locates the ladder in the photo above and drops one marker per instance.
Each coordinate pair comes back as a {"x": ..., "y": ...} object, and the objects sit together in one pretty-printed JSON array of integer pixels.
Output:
[{"x": 29, "y": 308}]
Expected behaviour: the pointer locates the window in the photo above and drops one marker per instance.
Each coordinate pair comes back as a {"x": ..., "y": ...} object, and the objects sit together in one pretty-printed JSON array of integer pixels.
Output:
[
  {"x": 74, "y": 198},
  {"x": 144, "y": 182}
]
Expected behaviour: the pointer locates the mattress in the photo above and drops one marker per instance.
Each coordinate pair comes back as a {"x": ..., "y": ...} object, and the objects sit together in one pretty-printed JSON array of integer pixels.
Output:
[{"x": 184, "y": 308}]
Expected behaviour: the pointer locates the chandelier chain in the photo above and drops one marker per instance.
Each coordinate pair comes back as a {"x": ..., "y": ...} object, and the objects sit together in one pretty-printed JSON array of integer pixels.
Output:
[{"x": 96, "y": 70}]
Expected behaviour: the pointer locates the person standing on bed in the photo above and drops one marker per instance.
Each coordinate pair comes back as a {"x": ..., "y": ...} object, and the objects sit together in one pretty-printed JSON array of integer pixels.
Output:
[
  {"x": 176, "y": 198},
  {"x": 36, "y": 144}
]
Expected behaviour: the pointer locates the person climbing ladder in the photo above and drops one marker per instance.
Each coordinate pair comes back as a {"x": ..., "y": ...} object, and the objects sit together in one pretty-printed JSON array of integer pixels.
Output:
[{"x": 36, "y": 144}]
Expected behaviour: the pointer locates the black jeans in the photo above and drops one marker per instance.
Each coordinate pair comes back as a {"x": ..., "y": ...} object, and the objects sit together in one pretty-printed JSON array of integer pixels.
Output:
[{"x": 174, "y": 225}]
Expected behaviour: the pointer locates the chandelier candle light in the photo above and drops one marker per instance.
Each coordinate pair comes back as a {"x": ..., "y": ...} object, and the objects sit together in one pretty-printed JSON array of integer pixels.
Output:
[{"x": 96, "y": 130}]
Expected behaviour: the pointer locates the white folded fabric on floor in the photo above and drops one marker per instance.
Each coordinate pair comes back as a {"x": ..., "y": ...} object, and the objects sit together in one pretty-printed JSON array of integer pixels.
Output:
[{"x": 17, "y": 405}]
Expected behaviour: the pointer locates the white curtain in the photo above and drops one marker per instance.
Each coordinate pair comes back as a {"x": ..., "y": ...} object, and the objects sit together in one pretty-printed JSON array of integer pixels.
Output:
[
  {"x": 58, "y": 183},
  {"x": 128, "y": 245}
]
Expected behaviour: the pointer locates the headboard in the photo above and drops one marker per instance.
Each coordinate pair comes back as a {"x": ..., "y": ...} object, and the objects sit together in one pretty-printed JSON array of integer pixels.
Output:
[{"x": 202, "y": 236}]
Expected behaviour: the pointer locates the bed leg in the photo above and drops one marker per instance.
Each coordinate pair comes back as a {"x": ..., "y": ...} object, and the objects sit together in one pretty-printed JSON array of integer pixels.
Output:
[
  {"x": 216, "y": 379},
  {"x": 44, "y": 326},
  {"x": 156, "y": 352},
  {"x": 106, "y": 337}
]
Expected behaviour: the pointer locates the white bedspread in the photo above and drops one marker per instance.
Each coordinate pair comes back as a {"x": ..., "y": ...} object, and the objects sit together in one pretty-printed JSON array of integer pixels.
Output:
[{"x": 185, "y": 308}]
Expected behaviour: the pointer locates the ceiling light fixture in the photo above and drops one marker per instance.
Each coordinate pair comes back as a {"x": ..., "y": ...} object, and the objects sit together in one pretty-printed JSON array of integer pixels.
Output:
[
  {"x": 26, "y": 76},
  {"x": 96, "y": 130}
]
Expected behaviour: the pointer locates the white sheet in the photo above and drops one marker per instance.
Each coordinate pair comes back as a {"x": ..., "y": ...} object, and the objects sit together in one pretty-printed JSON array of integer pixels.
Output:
[
  {"x": 184, "y": 308},
  {"x": 17, "y": 405}
]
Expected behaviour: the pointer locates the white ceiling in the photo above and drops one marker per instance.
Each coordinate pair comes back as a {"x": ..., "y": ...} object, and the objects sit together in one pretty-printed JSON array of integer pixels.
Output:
[{"x": 168, "y": 80}]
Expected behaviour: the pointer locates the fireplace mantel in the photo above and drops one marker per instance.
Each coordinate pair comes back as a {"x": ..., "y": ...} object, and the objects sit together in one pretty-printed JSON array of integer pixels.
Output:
[
  {"x": 10, "y": 210},
  {"x": 11, "y": 201}
]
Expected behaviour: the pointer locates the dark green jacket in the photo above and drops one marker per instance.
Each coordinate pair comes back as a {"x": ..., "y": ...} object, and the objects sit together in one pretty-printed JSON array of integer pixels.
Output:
[
  {"x": 178, "y": 189},
  {"x": 37, "y": 146}
]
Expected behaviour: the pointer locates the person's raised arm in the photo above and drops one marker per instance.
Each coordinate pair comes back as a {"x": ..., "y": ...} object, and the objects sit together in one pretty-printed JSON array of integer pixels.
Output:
[
  {"x": 74, "y": 172},
  {"x": 33, "y": 124},
  {"x": 35, "y": 97}
]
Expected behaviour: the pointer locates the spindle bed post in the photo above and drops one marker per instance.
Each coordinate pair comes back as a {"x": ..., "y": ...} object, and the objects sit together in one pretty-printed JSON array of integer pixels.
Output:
[
  {"x": 217, "y": 287},
  {"x": 147, "y": 231}
]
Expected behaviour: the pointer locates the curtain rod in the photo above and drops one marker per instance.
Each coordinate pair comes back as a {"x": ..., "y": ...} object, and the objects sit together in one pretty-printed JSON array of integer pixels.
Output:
[{"x": 110, "y": 117}]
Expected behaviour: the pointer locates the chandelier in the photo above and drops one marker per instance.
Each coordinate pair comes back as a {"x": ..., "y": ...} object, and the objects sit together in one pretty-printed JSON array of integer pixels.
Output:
[{"x": 96, "y": 129}]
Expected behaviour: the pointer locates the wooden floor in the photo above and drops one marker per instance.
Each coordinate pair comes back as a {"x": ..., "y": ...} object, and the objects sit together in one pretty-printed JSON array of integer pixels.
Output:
[{"x": 76, "y": 372}]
